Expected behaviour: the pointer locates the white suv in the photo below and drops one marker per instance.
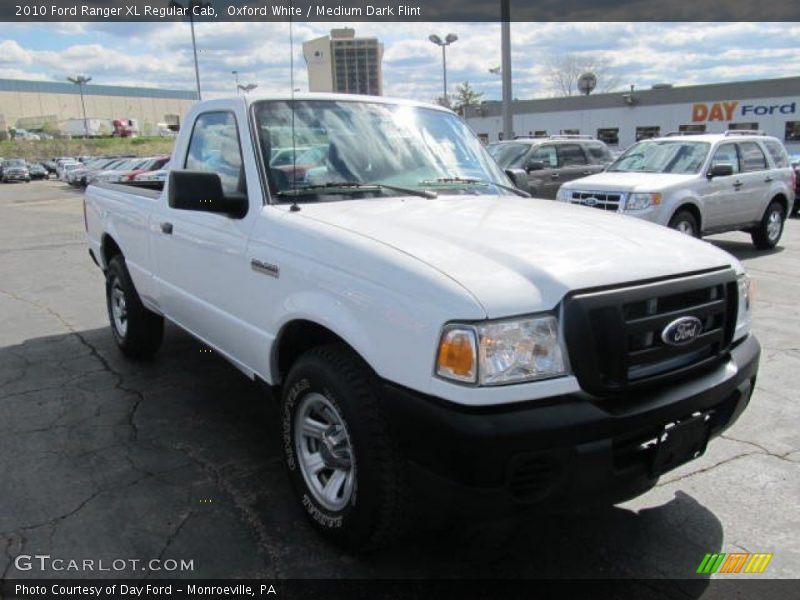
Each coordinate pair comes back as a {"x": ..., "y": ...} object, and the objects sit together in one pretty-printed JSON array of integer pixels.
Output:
[{"x": 697, "y": 184}]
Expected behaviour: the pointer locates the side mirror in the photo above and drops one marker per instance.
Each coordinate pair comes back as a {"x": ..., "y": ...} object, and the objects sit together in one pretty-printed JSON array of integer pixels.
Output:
[
  {"x": 519, "y": 178},
  {"x": 534, "y": 165},
  {"x": 720, "y": 171},
  {"x": 202, "y": 191}
]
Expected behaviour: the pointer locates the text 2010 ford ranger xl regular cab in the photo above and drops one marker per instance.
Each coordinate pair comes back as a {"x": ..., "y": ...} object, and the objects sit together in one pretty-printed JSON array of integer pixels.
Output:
[{"x": 434, "y": 334}]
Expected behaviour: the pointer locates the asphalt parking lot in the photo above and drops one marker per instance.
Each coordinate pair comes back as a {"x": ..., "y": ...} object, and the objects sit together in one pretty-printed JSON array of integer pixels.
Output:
[{"x": 179, "y": 458}]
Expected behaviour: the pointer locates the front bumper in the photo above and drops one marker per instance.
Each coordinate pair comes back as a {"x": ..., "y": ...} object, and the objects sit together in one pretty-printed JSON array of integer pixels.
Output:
[
  {"x": 16, "y": 176},
  {"x": 565, "y": 451}
]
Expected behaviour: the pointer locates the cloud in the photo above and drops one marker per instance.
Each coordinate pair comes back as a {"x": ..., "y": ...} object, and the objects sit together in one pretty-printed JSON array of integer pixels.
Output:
[{"x": 160, "y": 54}]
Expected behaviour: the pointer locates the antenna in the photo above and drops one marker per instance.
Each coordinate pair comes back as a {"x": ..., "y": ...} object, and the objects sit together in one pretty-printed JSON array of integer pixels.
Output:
[{"x": 294, "y": 207}]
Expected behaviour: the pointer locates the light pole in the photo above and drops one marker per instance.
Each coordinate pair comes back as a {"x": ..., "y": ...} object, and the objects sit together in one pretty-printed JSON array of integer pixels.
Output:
[
  {"x": 449, "y": 39},
  {"x": 248, "y": 87},
  {"x": 236, "y": 75},
  {"x": 80, "y": 81},
  {"x": 190, "y": 7}
]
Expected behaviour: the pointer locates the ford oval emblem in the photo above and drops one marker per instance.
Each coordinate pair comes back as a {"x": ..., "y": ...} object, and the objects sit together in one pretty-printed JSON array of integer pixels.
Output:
[
  {"x": 590, "y": 201},
  {"x": 682, "y": 331}
]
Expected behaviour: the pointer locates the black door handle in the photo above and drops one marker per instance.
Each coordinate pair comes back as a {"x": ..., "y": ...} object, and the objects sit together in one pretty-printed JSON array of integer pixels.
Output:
[
  {"x": 166, "y": 228},
  {"x": 768, "y": 179},
  {"x": 737, "y": 184}
]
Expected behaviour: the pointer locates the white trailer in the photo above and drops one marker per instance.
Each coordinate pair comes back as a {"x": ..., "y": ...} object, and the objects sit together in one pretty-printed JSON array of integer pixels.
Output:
[{"x": 91, "y": 127}]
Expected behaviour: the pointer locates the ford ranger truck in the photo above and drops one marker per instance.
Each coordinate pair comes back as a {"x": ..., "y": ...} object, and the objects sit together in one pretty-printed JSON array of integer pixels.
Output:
[{"x": 435, "y": 336}]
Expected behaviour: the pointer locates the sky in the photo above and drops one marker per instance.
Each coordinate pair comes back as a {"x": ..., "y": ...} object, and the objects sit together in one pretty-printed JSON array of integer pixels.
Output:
[{"x": 159, "y": 54}]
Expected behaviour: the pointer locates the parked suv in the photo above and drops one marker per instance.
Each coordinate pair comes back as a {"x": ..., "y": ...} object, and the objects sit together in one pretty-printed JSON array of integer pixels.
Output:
[
  {"x": 698, "y": 184},
  {"x": 552, "y": 160}
]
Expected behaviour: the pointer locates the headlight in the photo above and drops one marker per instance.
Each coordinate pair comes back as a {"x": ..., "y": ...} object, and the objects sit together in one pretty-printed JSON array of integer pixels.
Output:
[
  {"x": 508, "y": 351},
  {"x": 639, "y": 201},
  {"x": 563, "y": 195},
  {"x": 743, "y": 312}
]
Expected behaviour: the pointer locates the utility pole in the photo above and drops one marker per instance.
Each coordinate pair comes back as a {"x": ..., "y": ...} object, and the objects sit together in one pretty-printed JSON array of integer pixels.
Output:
[
  {"x": 189, "y": 7},
  {"x": 80, "y": 81},
  {"x": 505, "y": 48}
]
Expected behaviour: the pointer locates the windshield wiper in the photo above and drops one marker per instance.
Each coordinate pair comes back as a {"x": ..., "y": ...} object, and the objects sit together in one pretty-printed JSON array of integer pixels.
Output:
[
  {"x": 474, "y": 181},
  {"x": 345, "y": 187}
]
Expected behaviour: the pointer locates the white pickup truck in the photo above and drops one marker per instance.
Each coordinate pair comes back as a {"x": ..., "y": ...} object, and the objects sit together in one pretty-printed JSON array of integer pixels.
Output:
[{"x": 435, "y": 337}]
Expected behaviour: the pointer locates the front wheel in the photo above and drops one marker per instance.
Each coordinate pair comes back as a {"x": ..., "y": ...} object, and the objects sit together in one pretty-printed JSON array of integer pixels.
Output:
[
  {"x": 685, "y": 222},
  {"x": 137, "y": 331},
  {"x": 768, "y": 232},
  {"x": 342, "y": 461}
]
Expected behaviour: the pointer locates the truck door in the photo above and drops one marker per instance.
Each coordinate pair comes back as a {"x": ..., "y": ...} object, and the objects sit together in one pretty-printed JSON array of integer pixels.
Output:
[
  {"x": 202, "y": 261},
  {"x": 721, "y": 194}
]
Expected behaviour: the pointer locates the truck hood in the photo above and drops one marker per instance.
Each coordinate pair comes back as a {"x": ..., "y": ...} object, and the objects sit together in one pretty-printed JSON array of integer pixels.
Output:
[
  {"x": 519, "y": 255},
  {"x": 628, "y": 182}
]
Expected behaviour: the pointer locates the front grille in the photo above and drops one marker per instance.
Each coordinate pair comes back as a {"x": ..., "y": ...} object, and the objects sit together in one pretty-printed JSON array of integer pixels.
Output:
[
  {"x": 615, "y": 336},
  {"x": 602, "y": 200}
]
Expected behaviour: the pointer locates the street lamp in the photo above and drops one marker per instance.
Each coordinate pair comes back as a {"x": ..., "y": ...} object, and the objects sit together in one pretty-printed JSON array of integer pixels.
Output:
[
  {"x": 248, "y": 87},
  {"x": 236, "y": 75},
  {"x": 449, "y": 39},
  {"x": 80, "y": 81},
  {"x": 190, "y": 7}
]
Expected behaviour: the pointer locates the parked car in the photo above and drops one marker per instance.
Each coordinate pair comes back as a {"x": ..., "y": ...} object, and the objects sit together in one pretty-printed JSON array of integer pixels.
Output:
[
  {"x": 698, "y": 184},
  {"x": 151, "y": 164},
  {"x": 157, "y": 176},
  {"x": 15, "y": 169},
  {"x": 60, "y": 163},
  {"x": 50, "y": 165},
  {"x": 118, "y": 171},
  {"x": 794, "y": 159},
  {"x": 433, "y": 333},
  {"x": 37, "y": 171},
  {"x": 550, "y": 161},
  {"x": 68, "y": 168}
]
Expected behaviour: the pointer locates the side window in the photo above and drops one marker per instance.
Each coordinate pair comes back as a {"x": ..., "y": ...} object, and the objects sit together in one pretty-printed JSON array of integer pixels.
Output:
[
  {"x": 726, "y": 155},
  {"x": 546, "y": 154},
  {"x": 753, "y": 158},
  {"x": 214, "y": 146},
  {"x": 570, "y": 155},
  {"x": 599, "y": 153},
  {"x": 777, "y": 153}
]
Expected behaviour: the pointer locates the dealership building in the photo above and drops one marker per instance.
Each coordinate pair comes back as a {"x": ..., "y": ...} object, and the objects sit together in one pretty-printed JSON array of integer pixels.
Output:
[
  {"x": 622, "y": 118},
  {"x": 32, "y": 104}
]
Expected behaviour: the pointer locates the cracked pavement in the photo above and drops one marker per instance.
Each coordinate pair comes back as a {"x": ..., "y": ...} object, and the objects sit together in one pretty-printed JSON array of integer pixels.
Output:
[{"x": 103, "y": 458}]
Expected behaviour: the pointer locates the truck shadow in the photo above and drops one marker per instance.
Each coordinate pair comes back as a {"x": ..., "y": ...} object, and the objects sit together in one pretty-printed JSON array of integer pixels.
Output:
[{"x": 180, "y": 457}]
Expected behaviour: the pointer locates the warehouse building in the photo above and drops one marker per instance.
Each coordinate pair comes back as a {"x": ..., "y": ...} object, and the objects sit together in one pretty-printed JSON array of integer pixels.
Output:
[
  {"x": 622, "y": 118},
  {"x": 42, "y": 105}
]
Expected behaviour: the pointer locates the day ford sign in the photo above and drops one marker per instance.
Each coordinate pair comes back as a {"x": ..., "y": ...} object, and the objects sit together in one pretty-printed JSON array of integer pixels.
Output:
[
  {"x": 728, "y": 111},
  {"x": 682, "y": 331}
]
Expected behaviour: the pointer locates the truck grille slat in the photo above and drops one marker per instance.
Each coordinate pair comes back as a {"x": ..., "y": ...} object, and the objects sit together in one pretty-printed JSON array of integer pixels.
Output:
[{"x": 615, "y": 336}]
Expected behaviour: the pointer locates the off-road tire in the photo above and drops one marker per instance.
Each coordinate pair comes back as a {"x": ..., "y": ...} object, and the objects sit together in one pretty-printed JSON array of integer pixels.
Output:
[{"x": 376, "y": 510}]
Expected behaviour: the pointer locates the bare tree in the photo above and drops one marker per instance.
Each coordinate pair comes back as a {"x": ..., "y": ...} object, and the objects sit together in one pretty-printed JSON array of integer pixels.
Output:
[{"x": 564, "y": 71}]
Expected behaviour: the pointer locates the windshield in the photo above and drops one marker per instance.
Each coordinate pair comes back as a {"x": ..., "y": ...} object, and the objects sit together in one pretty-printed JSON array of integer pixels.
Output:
[
  {"x": 363, "y": 143},
  {"x": 662, "y": 156},
  {"x": 14, "y": 163},
  {"x": 509, "y": 155}
]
